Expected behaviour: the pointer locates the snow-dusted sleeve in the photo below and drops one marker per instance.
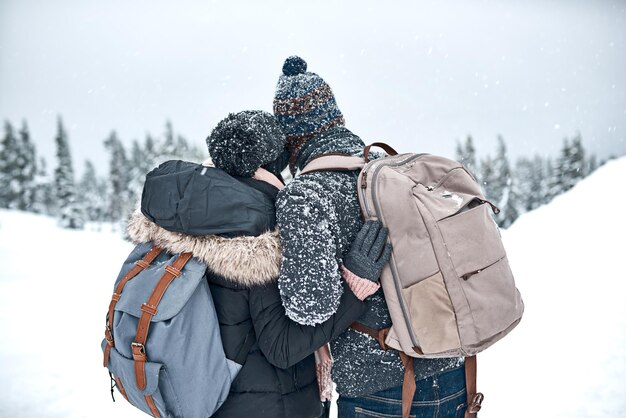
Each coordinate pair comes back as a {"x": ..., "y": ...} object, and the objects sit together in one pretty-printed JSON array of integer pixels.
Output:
[{"x": 310, "y": 280}]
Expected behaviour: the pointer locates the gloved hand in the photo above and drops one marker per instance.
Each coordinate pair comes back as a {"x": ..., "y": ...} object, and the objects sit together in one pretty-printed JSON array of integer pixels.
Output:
[{"x": 369, "y": 252}]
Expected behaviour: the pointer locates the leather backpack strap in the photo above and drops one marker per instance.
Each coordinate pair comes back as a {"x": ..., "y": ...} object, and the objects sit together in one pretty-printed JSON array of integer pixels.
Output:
[
  {"x": 408, "y": 384},
  {"x": 474, "y": 398},
  {"x": 388, "y": 149},
  {"x": 148, "y": 310},
  {"x": 379, "y": 335},
  {"x": 137, "y": 268},
  {"x": 408, "y": 380}
]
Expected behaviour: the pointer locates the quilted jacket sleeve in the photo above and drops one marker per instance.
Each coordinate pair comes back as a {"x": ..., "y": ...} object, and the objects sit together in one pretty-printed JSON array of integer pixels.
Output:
[{"x": 284, "y": 342}]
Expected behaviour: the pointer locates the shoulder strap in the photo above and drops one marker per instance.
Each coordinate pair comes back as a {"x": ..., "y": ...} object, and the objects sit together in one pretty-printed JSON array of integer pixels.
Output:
[
  {"x": 389, "y": 150},
  {"x": 334, "y": 163},
  {"x": 148, "y": 310},
  {"x": 342, "y": 162},
  {"x": 137, "y": 268}
]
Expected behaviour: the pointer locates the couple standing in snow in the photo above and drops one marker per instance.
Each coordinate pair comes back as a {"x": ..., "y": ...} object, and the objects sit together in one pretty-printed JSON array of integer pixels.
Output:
[{"x": 328, "y": 277}]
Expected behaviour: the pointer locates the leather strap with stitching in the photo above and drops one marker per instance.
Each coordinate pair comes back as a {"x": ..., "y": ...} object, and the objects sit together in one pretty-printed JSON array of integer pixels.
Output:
[
  {"x": 152, "y": 406},
  {"x": 408, "y": 380},
  {"x": 408, "y": 384},
  {"x": 389, "y": 150},
  {"x": 474, "y": 398},
  {"x": 134, "y": 271},
  {"x": 148, "y": 310},
  {"x": 379, "y": 335}
]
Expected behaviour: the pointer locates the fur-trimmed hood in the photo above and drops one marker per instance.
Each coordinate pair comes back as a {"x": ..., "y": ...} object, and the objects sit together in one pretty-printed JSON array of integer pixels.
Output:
[{"x": 246, "y": 260}]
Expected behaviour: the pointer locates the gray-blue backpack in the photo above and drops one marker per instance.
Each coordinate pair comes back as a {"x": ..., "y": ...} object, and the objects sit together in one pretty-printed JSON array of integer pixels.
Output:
[{"x": 162, "y": 342}]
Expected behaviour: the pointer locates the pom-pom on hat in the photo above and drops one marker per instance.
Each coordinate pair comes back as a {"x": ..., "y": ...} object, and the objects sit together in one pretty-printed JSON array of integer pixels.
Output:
[
  {"x": 304, "y": 105},
  {"x": 242, "y": 142}
]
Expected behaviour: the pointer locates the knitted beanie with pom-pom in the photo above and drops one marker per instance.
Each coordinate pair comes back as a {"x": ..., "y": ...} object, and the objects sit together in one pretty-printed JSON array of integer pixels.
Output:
[
  {"x": 244, "y": 141},
  {"x": 304, "y": 105}
]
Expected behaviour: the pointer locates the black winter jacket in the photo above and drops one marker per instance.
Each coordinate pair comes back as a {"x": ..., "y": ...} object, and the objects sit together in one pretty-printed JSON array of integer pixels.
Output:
[{"x": 278, "y": 374}]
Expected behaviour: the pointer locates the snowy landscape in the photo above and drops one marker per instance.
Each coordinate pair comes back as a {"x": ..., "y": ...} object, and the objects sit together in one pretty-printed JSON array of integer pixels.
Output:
[
  {"x": 565, "y": 359},
  {"x": 529, "y": 95}
]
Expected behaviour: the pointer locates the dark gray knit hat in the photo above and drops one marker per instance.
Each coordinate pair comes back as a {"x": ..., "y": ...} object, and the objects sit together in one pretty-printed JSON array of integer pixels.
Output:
[{"x": 242, "y": 142}]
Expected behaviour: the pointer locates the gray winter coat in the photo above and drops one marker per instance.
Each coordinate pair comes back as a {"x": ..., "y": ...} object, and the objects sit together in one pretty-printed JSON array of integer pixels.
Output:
[{"x": 318, "y": 217}]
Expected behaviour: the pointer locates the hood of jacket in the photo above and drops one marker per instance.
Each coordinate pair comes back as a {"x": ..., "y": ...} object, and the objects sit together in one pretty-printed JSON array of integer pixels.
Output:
[{"x": 245, "y": 260}]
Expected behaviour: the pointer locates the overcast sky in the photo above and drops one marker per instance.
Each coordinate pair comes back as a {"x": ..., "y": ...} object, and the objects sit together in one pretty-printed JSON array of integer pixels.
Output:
[{"x": 419, "y": 75}]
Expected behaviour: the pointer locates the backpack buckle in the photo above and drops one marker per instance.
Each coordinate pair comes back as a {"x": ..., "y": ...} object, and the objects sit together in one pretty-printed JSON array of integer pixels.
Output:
[
  {"x": 475, "y": 404},
  {"x": 139, "y": 351},
  {"x": 108, "y": 336}
]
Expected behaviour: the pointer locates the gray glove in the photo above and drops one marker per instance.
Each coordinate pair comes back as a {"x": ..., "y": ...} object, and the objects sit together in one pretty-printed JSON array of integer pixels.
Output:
[{"x": 369, "y": 252}]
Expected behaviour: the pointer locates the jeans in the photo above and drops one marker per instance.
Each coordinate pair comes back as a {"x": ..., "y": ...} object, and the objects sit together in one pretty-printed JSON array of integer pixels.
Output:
[{"x": 440, "y": 396}]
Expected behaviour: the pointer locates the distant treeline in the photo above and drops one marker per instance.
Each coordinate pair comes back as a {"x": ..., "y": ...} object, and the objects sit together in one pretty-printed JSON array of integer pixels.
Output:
[
  {"x": 28, "y": 184},
  {"x": 531, "y": 181}
]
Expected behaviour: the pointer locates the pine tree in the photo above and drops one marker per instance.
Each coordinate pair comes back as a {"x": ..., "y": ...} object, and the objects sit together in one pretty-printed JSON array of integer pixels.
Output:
[
  {"x": 9, "y": 184},
  {"x": 26, "y": 169},
  {"x": 168, "y": 148},
  {"x": 523, "y": 178},
  {"x": 578, "y": 161},
  {"x": 119, "y": 196},
  {"x": 570, "y": 166},
  {"x": 69, "y": 213},
  {"x": 92, "y": 191},
  {"x": 498, "y": 185},
  {"x": 591, "y": 164},
  {"x": 149, "y": 153},
  {"x": 530, "y": 180},
  {"x": 554, "y": 186},
  {"x": 139, "y": 167},
  {"x": 43, "y": 195},
  {"x": 466, "y": 154}
]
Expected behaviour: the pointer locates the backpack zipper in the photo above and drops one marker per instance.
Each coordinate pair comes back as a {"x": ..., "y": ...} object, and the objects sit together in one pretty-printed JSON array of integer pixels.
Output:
[
  {"x": 394, "y": 273},
  {"x": 466, "y": 276},
  {"x": 375, "y": 167}
]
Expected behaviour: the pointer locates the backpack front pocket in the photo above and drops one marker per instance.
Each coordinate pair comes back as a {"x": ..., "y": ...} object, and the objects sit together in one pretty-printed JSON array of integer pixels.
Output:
[
  {"x": 475, "y": 248},
  {"x": 472, "y": 239},
  {"x": 159, "y": 392},
  {"x": 432, "y": 316}
]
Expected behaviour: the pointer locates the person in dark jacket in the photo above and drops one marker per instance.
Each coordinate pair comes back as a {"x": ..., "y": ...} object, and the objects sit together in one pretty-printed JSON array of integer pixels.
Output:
[
  {"x": 318, "y": 216},
  {"x": 278, "y": 377}
]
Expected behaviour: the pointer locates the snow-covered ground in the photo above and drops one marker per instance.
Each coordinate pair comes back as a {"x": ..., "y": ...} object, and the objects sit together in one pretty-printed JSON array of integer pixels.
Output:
[{"x": 567, "y": 358}]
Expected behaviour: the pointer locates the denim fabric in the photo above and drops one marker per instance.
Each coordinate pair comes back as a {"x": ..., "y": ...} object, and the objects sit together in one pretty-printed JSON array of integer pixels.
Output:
[{"x": 440, "y": 396}]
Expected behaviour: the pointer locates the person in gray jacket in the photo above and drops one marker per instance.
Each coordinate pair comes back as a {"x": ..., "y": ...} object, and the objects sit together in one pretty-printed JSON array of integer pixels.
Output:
[{"x": 318, "y": 216}]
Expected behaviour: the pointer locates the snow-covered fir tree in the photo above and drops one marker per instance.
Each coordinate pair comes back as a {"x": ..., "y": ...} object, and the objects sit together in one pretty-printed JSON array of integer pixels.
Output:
[
  {"x": 571, "y": 166},
  {"x": 43, "y": 195},
  {"x": 9, "y": 156},
  {"x": 92, "y": 191},
  {"x": 26, "y": 169},
  {"x": 149, "y": 153},
  {"x": 176, "y": 147},
  {"x": 466, "y": 154},
  {"x": 69, "y": 211},
  {"x": 119, "y": 195},
  {"x": 167, "y": 150},
  {"x": 139, "y": 167},
  {"x": 530, "y": 180},
  {"x": 591, "y": 165},
  {"x": 497, "y": 182}
]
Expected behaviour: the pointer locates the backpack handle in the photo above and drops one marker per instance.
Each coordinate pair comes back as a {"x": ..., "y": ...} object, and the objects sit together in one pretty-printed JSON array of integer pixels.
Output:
[{"x": 389, "y": 150}]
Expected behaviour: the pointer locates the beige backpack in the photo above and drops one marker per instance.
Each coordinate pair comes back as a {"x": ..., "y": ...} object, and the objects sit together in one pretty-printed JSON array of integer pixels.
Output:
[{"x": 448, "y": 285}]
